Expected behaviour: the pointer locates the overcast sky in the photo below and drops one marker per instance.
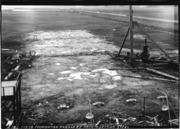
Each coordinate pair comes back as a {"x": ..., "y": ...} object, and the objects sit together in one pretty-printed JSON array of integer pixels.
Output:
[{"x": 66, "y": 7}]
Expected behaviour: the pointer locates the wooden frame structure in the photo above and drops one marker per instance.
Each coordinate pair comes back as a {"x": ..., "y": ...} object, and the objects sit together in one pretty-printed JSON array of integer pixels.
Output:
[
  {"x": 130, "y": 29},
  {"x": 11, "y": 99}
]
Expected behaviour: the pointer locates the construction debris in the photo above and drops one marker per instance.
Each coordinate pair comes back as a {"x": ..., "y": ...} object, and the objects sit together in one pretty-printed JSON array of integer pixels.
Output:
[
  {"x": 39, "y": 104},
  {"x": 131, "y": 118},
  {"x": 117, "y": 120},
  {"x": 123, "y": 119},
  {"x": 8, "y": 76},
  {"x": 16, "y": 57},
  {"x": 106, "y": 71},
  {"x": 9, "y": 122},
  {"x": 97, "y": 124},
  {"x": 63, "y": 106},
  {"x": 15, "y": 62},
  {"x": 114, "y": 119},
  {"x": 162, "y": 97},
  {"x": 31, "y": 119},
  {"x": 116, "y": 78},
  {"x": 154, "y": 121},
  {"x": 98, "y": 104},
  {"x": 174, "y": 122},
  {"x": 131, "y": 101}
]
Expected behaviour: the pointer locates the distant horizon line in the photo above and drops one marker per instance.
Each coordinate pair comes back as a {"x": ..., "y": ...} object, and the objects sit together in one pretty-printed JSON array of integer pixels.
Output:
[{"x": 8, "y": 7}]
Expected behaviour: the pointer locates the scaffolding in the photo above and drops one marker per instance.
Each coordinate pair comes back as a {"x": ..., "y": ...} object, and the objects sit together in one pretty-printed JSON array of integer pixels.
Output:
[{"x": 11, "y": 100}]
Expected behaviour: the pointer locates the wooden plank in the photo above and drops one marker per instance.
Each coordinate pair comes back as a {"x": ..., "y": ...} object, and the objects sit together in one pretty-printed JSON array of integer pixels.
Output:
[
  {"x": 162, "y": 74},
  {"x": 10, "y": 51},
  {"x": 8, "y": 76},
  {"x": 150, "y": 78},
  {"x": 160, "y": 64},
  {"x": 134, "y": 68},
  {"x": 17, "y": 67},
  {"x": 159, "y": 61},
  {"x": 9, "y": 83},
  {"x": 126, "y": 68},
  {"x": 7, "y": 88}
]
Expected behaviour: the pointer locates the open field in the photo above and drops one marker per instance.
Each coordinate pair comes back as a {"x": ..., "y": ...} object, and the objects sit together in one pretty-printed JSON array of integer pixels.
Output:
[
  {"x": 72, "y": 66},
  {"x": 63, "y": 19}
]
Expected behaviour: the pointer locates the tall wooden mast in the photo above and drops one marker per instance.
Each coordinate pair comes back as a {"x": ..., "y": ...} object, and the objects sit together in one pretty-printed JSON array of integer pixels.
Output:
[{"x": 131, "y": 31}]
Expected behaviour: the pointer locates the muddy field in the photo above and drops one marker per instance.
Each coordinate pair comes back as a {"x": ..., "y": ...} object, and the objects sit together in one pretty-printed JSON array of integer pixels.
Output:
[
  {"x": 72, "y": 69},
  {"x": 67, "y": 72}
]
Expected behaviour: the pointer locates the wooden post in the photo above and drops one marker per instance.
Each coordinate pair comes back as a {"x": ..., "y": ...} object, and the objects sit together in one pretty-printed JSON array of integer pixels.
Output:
[
  {"x": 145, "y": 42},
  {"x": 124, "y": 41},
  {"x": 14, "y": 105},
  {"x": 90, "y": 108},
  {"x": 144, "y": 111},
  {"x": 131, "y": 30},
  {"x": 19, "y": 86}
]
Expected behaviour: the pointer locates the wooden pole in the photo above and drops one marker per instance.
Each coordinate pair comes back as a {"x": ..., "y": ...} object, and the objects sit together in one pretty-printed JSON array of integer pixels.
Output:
[
  {"x": 145, "y": 42},
  {"x": 131, "y": 30},
  {"x": 90, "y": 108},
  {"x": 150, "y": 78},
  {"x": 124, "y": 41},
  {"x": 144, "y": 111},
  {"x": 153, "y": 41},
  {"x": 14, "y": 105},
  {"x": 162, "y": 74}
]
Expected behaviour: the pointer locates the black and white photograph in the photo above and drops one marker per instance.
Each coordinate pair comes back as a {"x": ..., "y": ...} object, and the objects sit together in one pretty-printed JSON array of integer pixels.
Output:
[{"x": 89, "y": 66}]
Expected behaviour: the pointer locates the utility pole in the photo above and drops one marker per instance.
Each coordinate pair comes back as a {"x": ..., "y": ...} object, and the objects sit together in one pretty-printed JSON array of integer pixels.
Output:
[{"x": 131, "y": 30}]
